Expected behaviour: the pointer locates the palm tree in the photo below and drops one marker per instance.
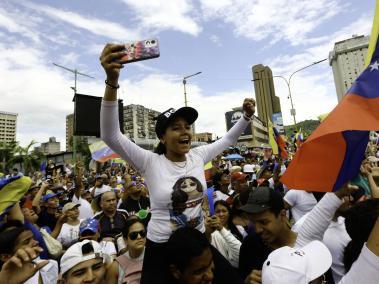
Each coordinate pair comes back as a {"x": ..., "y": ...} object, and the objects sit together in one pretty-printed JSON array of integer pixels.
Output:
[
  {"x": 7, "y": 152},
  {"x": 29, "y": 159}
]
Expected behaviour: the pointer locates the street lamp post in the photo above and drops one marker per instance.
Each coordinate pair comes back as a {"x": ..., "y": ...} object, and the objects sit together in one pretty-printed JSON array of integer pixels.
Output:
[
  {"x": 76, "y": 73},
  {"x": 184, "y": 85},
  {"x": 288, "y": 82}
]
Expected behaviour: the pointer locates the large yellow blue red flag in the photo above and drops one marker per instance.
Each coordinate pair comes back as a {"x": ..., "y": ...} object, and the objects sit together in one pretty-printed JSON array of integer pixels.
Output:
[
  {"x": 101, "y": 152},
  {"x": 332, "y": 155}
]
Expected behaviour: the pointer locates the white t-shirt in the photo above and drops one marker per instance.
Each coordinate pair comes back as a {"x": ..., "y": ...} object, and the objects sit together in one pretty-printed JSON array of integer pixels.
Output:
[
  {"x": 336, "y": 239},
  {"x": 85, "y": 210},
  {"x": 169, "y": 183},
  {"x": 301, "y": 202},
  {"x": 48, "y": 273},
  {"x": 221, "y": 196},
  {"x": 69, "y": 234}
]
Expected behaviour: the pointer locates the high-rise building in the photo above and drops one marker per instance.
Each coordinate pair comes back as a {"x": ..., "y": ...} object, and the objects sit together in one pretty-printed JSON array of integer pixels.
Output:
[
  {"x": 50, "y": 147},
  {"x": 69, "y": 131},
  {"x": 70, "y": 134},
  {"x": 139, "y": 123},
  {"x": 348, "y": 61},
  {"x": 267, "y": 103},
  {"x": 8, "y": 126}
]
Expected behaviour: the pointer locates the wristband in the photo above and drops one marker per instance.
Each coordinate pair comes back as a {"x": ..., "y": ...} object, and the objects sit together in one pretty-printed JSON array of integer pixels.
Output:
[{"x": 112, "y": 86}]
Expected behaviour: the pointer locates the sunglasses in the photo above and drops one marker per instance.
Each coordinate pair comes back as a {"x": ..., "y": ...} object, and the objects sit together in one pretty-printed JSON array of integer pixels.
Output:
[{"x": 134, "y": 235}]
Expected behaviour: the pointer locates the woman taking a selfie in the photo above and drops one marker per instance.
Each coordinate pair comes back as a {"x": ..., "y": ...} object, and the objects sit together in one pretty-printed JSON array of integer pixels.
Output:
[{"x": 173, "y": 159}]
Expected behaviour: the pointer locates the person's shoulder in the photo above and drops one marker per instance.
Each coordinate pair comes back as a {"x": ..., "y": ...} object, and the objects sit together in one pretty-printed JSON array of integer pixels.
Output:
[
  {"x": 253, "y": 240},
  {"x": 145, "y": 198},
  {"x": 98, "y": 215},
  {"x": 123, "y": 212}
]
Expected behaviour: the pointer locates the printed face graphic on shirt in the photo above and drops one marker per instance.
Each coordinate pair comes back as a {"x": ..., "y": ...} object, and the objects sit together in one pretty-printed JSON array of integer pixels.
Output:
[{"x": 187, "y": 199}]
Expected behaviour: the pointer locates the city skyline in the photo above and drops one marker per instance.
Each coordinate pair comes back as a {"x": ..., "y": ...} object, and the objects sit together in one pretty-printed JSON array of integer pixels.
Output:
[{"x": 222, "y": 39}]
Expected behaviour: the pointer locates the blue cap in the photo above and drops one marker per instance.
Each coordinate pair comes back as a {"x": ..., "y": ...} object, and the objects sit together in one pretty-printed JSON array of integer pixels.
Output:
[
  {"x": 49, "y": 195},
  {"x": 89, "y": 224}
]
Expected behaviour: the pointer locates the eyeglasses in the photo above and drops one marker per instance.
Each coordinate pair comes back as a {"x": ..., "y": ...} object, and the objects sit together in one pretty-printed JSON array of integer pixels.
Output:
[{"x": 134, "y": 235}]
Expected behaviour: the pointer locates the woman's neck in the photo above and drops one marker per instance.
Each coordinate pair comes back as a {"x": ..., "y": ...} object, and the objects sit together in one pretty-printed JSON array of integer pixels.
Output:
[
  {"x": 173, "y": 157},
  {"x": 135, "y": 253},
  {"x": 73, "y": 221}
]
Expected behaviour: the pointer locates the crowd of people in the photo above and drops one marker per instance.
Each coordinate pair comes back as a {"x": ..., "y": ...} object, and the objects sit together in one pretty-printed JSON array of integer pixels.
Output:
[{"x": 157, "y": 219}]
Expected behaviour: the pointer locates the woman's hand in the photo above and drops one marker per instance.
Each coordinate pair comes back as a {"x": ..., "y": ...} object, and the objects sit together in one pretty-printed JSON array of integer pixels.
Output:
[
  {"x": 249, "y": 107},
  {"x": 109, "y": 56}
]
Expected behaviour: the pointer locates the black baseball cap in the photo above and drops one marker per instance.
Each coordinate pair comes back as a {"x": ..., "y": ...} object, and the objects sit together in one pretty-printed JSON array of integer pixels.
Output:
[
  {"x": 258, "y": 201},
  {"x": 163, "y": 120}
]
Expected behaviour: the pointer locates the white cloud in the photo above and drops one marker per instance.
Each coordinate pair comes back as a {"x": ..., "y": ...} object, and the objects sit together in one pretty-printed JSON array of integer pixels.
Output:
[
  {"x": 159, "y": 15},
  {"x": 23, "y": 28},
  {"x": 216, "y": 39},
  {"x": 313, "y": 89},
  {"x": 70, "y": 58},
  {"x": 291, "y": 20},
  {"x": 94, "y": 25},
  {"x": 286, "y": 64}
]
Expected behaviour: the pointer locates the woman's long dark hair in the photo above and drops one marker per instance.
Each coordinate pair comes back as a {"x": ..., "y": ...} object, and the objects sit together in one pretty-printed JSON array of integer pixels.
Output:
[
  {"x": 233, "y": 228},
  {"x": 359, "y": 221},
  {"x": 160, "y": 149}
]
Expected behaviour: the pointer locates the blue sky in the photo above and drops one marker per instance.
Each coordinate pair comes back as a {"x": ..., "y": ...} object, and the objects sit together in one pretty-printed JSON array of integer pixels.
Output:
[{"x": 221, "y": 38}]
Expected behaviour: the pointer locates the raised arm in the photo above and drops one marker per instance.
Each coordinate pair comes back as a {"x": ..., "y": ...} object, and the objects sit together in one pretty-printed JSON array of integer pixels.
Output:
[
  {"x": 373, "y": 172},
  {"x": 37, "y": 198},
  {"x": 109, "y": 123},
  {"x": 321, "y": 215},
  {"x": 210, "y": 151}
]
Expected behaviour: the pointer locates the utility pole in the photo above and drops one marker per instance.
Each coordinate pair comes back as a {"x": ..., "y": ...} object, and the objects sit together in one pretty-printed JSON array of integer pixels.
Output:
[{"x": 184, "y": 85}]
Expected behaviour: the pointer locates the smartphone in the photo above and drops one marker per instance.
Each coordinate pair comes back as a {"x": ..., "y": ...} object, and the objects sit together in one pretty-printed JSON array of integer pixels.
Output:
[{"x": 140, "y": 50}]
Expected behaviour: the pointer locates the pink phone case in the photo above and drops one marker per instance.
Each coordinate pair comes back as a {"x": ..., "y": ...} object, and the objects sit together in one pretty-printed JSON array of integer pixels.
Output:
[{"x": 141, "y": 50}]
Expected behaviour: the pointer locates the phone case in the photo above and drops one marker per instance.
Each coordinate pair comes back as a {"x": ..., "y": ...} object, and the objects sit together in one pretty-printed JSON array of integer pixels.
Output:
[{"x": 141, "y": 50}]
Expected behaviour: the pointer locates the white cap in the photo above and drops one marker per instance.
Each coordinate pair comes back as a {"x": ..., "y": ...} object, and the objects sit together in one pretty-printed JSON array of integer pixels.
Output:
[
  {"x": 69, "y": 206},
  {"x": 101, "y": 190},
  {"x": 248, "y": 168},
  {"x": 75, "y": 255},
  {"x": 293, "y": 265},
  {"x": 235, "y": 169}
]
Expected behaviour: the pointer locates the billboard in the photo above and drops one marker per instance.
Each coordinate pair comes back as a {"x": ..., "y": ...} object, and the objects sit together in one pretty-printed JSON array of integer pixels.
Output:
[
  {"x": 277, "y": 121},
  {"x": 232, "y": 117}
]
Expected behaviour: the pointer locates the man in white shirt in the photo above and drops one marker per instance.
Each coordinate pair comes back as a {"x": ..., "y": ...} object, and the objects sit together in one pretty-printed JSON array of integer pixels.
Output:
[
  {"x": 299, "y": 202},
  {"x": 99, "y": 187}
]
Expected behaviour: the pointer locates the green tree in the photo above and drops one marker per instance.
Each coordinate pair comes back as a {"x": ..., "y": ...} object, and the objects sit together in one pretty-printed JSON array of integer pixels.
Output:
[
  {"x": 82, "y": 148},
  {"x": 7, "y": 152},
  {"x": 29, "y": 160}
]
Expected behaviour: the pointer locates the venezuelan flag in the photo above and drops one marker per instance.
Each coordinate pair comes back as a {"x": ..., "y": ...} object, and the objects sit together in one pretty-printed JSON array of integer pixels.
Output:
[
  {"x": 271, "y": 139},
  {"x": 11, "y": 191},
  {"x": 332, "y": 155},
  {"x": 101, "y": 152}
]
